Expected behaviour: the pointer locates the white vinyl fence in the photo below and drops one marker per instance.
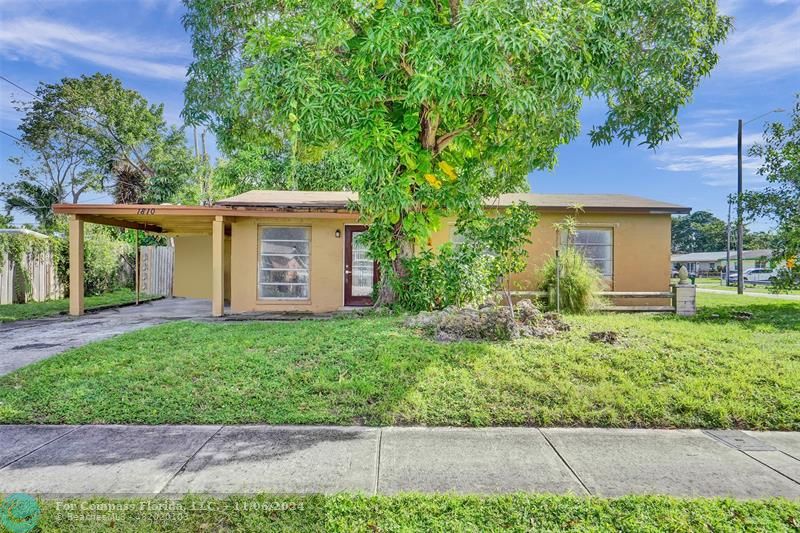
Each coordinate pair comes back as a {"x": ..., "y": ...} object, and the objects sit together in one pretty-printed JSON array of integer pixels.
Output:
[
  {"x": 44, "y": 284},
  {"x": 155, "y": 269}
]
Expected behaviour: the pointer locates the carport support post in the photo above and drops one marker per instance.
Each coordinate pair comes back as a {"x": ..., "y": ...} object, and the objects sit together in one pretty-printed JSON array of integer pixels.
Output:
[
  {"x": 75, "y": 266},
  {"x": 218, "y": 266}
]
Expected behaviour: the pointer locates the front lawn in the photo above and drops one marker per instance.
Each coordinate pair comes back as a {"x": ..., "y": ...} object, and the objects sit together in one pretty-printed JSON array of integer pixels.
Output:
[
  {"x": 346, "y": 513},
  {"x": 716, "y": 284},
  {"x": 14, "y": 312},
  {"x": 714, "y": 370}
]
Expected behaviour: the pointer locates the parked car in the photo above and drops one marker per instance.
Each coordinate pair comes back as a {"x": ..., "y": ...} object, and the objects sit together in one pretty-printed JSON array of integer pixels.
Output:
[{"x": 753, "y": 275}]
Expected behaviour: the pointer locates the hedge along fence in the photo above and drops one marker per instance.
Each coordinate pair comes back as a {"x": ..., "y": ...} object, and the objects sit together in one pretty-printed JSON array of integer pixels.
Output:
[
  {"x": 35, "y": 267},
  {"x": 28, "y": 268}
]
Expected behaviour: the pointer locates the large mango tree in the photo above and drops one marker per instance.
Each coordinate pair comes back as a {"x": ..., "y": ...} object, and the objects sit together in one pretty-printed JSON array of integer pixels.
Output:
[{"x": 443, "y": 103}]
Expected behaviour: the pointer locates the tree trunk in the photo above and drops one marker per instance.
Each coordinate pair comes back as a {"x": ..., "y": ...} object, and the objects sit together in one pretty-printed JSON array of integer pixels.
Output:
[{"x": 386, "y": 294}]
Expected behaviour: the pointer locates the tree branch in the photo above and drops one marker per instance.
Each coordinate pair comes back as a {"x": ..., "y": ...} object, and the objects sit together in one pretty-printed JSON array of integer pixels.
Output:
[
  {"x": 404, "y": 64},
  {"x": 454, "y": 12},
  {"x": 444, "y": 140},
  {"x": 429, "y": 122}
]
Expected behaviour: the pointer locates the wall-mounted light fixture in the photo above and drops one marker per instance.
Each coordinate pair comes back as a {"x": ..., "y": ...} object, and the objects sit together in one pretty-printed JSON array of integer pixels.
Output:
[{"x": 338, "y": 233}]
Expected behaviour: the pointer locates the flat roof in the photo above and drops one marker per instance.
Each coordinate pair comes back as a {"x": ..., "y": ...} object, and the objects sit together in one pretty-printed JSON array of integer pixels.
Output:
[
  {"x": 188, "y": 219},
  {"x": 290, "y": 199},
  {"x": 342, "y": 199}
]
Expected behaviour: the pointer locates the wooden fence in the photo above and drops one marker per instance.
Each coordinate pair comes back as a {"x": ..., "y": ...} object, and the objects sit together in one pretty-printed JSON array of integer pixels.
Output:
[
  {"x": 682, "y": 297},
  {"x": 44, "y": 284},
  {"x": 155, "y": 269}
]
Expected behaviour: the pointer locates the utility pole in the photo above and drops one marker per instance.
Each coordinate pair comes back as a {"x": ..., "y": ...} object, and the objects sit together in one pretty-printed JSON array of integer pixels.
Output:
[
  {"x": 739, "y": 216},
  {"x": 205, "y": 185}
]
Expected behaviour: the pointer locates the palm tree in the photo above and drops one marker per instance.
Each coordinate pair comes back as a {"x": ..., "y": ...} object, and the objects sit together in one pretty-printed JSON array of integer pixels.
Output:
[{"x": 34, "y": 199}]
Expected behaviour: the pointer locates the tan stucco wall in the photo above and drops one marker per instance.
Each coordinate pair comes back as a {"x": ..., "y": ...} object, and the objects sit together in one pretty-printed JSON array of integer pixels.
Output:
[
  {"x": 641, "y": 259},
  {"x": 192, "y": 276},
  {"x": 326, "y": 291},
  {"x": 642, "y": 245},
  {"x": 641, "y": 248}
]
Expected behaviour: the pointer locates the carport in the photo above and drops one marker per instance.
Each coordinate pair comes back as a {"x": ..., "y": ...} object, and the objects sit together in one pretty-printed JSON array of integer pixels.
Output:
[{"x": 166, "y": 220}]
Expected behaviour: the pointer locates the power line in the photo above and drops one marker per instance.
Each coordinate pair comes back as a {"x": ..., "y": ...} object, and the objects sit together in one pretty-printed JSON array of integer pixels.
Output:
[
  {"x": 21, "y": 88},
  {"x": 12, "y": 136}
]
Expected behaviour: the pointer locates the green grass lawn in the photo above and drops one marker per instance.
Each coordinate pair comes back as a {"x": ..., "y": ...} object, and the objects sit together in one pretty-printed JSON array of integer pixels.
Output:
[
  {"x": 14, "y": 312},
  {"x": 346, "y": 513},
  {"x": 714, "y": 283},
  {"x": 708, "y": 371}
]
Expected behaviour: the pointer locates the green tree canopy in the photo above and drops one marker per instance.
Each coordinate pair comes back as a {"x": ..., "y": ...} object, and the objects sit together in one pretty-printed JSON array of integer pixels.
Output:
[
  {"x": 780, "y": 200},
  {"x": 264, "y": 167},
  {"x": 699, "y": 232},
  {"x": 92, "y": 134},
  {"x": 443, "y": 104}
]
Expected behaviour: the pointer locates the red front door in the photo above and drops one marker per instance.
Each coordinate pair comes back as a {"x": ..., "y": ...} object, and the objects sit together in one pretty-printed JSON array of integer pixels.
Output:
[{"x": 360, "y": 272}]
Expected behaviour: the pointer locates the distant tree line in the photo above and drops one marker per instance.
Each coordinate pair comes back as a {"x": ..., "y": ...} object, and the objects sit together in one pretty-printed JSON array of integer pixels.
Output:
[{"x": 703, "y": 232}]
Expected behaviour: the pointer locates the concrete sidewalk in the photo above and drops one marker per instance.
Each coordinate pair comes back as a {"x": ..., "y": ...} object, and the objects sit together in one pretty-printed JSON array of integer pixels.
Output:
[{"x": 60, "y": 461}]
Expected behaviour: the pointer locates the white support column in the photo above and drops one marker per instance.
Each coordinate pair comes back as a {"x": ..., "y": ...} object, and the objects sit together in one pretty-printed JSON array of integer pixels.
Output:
[
  {"x": 218, "y": 267},
  {"x": 75, "y": 266}
]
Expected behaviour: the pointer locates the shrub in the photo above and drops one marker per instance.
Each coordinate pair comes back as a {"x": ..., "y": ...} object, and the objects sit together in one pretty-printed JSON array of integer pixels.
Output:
[
  {"x": 786, "y": 278},
  {"x": 451, "y": 276},
  {"x": 107, "y": 260},
  {"x": 104, "y": 260},
  {"x": 493, "y": 248},
  {"x": 578, "y": 284}
]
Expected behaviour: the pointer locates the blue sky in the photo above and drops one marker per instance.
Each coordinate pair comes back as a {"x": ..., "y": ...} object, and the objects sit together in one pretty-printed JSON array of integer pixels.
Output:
[{"x": 143, "y": 43}]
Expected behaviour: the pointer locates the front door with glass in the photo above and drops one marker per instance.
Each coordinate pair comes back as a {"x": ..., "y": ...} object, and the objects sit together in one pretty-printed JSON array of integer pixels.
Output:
[{"x": 360, "y": 272}]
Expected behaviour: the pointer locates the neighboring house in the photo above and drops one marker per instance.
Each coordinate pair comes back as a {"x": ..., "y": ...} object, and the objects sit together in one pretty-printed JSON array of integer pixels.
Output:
[
  {"x": 706, "y": 263},
  {"x": 296, "y": 251}
]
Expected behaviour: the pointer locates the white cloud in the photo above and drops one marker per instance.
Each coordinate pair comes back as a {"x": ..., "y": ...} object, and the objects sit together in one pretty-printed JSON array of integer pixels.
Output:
[
  {"x": 698, "y": 142},
  {"x": 750, "y": 180},
  {"x": 170, "y": 6},
  {"x": 703, "y": 162},
  {"x": 766, "y": 46},
  {"x": 712, "y": 159},
  {"x": 46, "y": 43}
]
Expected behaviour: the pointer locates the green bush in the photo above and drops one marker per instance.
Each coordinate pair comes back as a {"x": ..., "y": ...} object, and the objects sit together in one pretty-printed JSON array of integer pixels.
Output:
[
  {"x": 104, "y": 260},
  {"x": 578, "y": 284},
  {"x": 450, "y": 276},
  {"x": 786, "y": 279},
  {"x": 107, "y": 260}
]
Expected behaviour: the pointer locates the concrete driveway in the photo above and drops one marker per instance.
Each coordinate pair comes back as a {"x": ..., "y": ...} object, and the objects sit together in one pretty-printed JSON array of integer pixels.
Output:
[{"x": 28, "y": 341}]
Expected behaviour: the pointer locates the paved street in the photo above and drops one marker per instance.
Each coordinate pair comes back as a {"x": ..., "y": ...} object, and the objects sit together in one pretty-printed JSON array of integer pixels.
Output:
[
  {"x": 28, "y": 341},
  {"x": 60, "y": 461}
]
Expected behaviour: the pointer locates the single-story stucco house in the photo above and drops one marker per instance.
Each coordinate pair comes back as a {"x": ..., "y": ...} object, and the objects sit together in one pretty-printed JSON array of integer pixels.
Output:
[{"x": 295, "y": 251}]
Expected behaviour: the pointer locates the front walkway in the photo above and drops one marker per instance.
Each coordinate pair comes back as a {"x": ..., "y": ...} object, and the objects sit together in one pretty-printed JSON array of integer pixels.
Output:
[
  {"x": 28, "y": 341},
  {"x": 60, "y": 461}
]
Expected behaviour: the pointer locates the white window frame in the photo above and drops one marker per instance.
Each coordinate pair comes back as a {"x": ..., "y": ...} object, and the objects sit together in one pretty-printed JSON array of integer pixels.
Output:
[
  {"x": 260, "y": 267},
  {"x": 589, "y": 227}
]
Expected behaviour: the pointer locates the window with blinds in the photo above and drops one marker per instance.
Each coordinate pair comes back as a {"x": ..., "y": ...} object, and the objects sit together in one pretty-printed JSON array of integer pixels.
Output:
[
  {"x": 596, "y": 245},
  {"x": 284, "y": 261}
]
